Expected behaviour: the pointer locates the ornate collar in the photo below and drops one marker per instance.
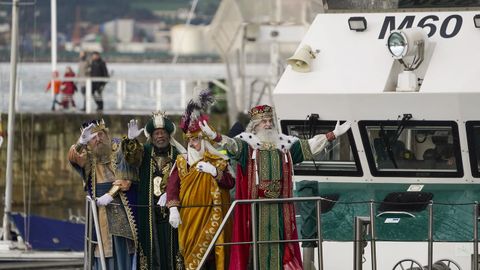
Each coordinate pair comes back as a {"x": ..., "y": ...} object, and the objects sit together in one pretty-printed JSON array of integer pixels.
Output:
[{"x": 283, "y": 142}]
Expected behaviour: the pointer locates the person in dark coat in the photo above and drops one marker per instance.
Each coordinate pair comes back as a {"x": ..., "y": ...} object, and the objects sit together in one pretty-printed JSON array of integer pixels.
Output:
[{"x": 98, "y": 68}]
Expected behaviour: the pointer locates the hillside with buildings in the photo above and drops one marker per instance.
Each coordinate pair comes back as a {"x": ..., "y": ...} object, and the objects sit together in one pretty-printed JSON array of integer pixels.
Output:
[
  {"x": 147, "y": 30},
  {"x": 121, "y": 29}
]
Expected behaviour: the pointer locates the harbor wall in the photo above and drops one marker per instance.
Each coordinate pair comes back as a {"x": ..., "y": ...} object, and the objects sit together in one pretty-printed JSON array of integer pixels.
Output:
[{"x": 43, "y": 180}]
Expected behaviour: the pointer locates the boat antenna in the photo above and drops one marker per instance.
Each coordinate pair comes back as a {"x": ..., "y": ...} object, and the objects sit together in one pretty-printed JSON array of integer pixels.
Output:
[{"x": 11, "y": 122}]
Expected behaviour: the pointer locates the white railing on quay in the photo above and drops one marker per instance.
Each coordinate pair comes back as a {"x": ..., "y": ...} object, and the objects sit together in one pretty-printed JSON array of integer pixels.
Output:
[{"x": 130, "y": 94}]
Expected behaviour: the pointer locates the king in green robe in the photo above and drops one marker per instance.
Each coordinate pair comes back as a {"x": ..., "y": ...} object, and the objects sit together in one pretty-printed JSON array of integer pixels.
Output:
[{"x": 158, "y": 240}]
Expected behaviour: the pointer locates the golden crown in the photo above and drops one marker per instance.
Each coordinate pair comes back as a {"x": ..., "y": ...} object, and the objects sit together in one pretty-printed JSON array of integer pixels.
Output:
[{"x": 98, "y": 125}]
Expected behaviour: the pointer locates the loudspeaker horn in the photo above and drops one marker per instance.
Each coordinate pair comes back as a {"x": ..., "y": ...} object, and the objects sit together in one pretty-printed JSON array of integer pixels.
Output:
[{"x": 301, "y": 60}]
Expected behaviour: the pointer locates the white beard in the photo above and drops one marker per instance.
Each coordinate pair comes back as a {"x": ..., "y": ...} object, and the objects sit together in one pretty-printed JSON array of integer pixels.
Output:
[
  {"x": 268, "y": 135},
  {"x": 194, "y": 155}
]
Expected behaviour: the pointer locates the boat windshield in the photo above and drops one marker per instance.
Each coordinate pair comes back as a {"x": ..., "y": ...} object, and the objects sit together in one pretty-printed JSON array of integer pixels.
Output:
[
  {"x": 338, "y": 158},
  {"x": 412, "y": 148},
  {"x": 473, "y": 133}
]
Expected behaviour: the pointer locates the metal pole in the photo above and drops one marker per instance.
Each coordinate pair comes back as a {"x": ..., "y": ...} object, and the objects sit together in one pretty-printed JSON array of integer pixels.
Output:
[
  {"x": 119, "y": 94},
  {"x": 430, "y": 235},
  {"x": 359, "y": 223},
  {"x": 88, "y": 236},
  {"x": 475, "y": 237},
  {"x": 319, "y": 235},
  {"x": 183, "y": 93},
  {"x": 124, "y": 89},
  {"x": 19, "y": 92},
  {"x": 217, "y": 234},
  {"x": 11, "y": 123},
  {"x": 93, "y": 205},
  {"x": 254, "y": 236},
  {"x": 159, "y": 95},
  {"x": 88, "y": 95},
  {"x": 152, "y": 88},
  {"x": 373, "y": 245},
  {"x": 53, "y": 34}
]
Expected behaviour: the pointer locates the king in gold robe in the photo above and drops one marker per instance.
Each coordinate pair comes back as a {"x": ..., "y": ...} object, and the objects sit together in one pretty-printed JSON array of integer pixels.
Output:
[{"x": 199, "y": 185}]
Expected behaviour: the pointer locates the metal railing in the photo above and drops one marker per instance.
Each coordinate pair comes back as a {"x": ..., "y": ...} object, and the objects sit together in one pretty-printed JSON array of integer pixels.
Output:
[
  {"x": 91, "y": 215},
  {"x": 255, "y": 242},
  {"x": 360, "y": 223},
  {"x": 170, "y": 93}
]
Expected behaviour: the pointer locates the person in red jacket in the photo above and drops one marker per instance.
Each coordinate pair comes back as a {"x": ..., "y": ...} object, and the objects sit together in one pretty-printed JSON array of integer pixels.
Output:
[{"x": 68, "y": 89}]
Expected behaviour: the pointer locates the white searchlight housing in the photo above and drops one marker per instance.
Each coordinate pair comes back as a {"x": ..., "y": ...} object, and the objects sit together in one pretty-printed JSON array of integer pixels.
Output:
[
  {"x": 408, "y": 42},
  {"x": 408, "y": 47}
]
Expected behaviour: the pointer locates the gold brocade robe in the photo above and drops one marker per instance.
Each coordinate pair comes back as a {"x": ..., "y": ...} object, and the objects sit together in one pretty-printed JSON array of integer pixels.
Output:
[{"x": 199, "y": 224}]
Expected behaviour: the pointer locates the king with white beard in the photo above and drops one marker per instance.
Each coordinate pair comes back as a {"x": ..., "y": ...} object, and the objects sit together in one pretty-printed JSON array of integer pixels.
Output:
[{"x": 265, "y": 164}]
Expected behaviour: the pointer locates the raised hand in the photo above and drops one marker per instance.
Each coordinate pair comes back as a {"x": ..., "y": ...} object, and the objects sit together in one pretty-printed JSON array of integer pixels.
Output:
[
  {"x": 207, "y": 130},
  {"x": 133, "y": 131},
  {"x": 87, "y": 135},
  {"x": 341, "y": 129}
]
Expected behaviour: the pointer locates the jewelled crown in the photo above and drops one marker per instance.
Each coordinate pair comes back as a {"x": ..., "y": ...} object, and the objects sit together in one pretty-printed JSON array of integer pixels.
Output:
[
  {"x": 97, "y": 125},
  {"x": 159, "y": 120},
  {"x": 261, "y": 111}
]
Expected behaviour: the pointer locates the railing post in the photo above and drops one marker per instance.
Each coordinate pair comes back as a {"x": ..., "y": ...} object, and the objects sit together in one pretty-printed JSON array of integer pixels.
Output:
[
  {"x": 373, "y": 246},
  {"x": 124, "y": 89},
  {"x": 430, "y": 235},
  {"x": 158, "y": 95},
  {"x": 152, "y": 88},
  {"x": 475, "y": 237},
  {"x": 119, "y": 94},
  {"x": 254, "y": 235},
  {"x": 360, "y": 223},
  {"x": 319, "y": 234},
  {"x": 19, "y": 88},
  {"x": 87, "y": 244},
  {"x": 93, "y": 206},
  {"x": 183, "y": 94},
  {"x": 88, "y": 95}
]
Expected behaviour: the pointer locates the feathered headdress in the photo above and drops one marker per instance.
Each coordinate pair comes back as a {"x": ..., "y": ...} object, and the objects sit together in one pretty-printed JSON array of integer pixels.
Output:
[{"x": 195, "y": 111}]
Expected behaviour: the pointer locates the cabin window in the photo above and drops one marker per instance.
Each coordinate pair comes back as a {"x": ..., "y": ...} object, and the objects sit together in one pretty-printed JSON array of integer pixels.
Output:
[
  {"x": 412, "y": 148},
  {"x": 473, "y": 135},
  {"x": 340, "y": 157}
]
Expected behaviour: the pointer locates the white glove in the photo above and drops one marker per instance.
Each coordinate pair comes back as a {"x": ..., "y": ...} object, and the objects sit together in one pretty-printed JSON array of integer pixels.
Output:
[
  {"x": 162, "y": 201},
  {"x": 341, "y": 129},
  {"x": 174, "y": 218},
  {"x": 104, "y": 199},
  {"x": 207, "y": 130},
  {"x": 206, "y": 167},
  {"x": 133, "y": 131},
  {"x": 87, "y": 135},
  {"x": 1, "y": 140}
]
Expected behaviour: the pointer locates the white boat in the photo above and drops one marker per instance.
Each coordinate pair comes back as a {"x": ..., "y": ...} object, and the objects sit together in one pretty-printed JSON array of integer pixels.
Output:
[{"x": 408, "y": 170}]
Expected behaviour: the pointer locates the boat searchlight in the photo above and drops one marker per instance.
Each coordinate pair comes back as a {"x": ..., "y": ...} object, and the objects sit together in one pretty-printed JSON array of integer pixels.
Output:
[{"x": 408, "y": 47}]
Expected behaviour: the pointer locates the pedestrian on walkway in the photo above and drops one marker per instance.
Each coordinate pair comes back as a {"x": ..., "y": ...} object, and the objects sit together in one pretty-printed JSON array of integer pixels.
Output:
[
  {"x": 55, "y": 88},
  {"x": 98, "y": 68},
  {"x": 68, "y": 89}
]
